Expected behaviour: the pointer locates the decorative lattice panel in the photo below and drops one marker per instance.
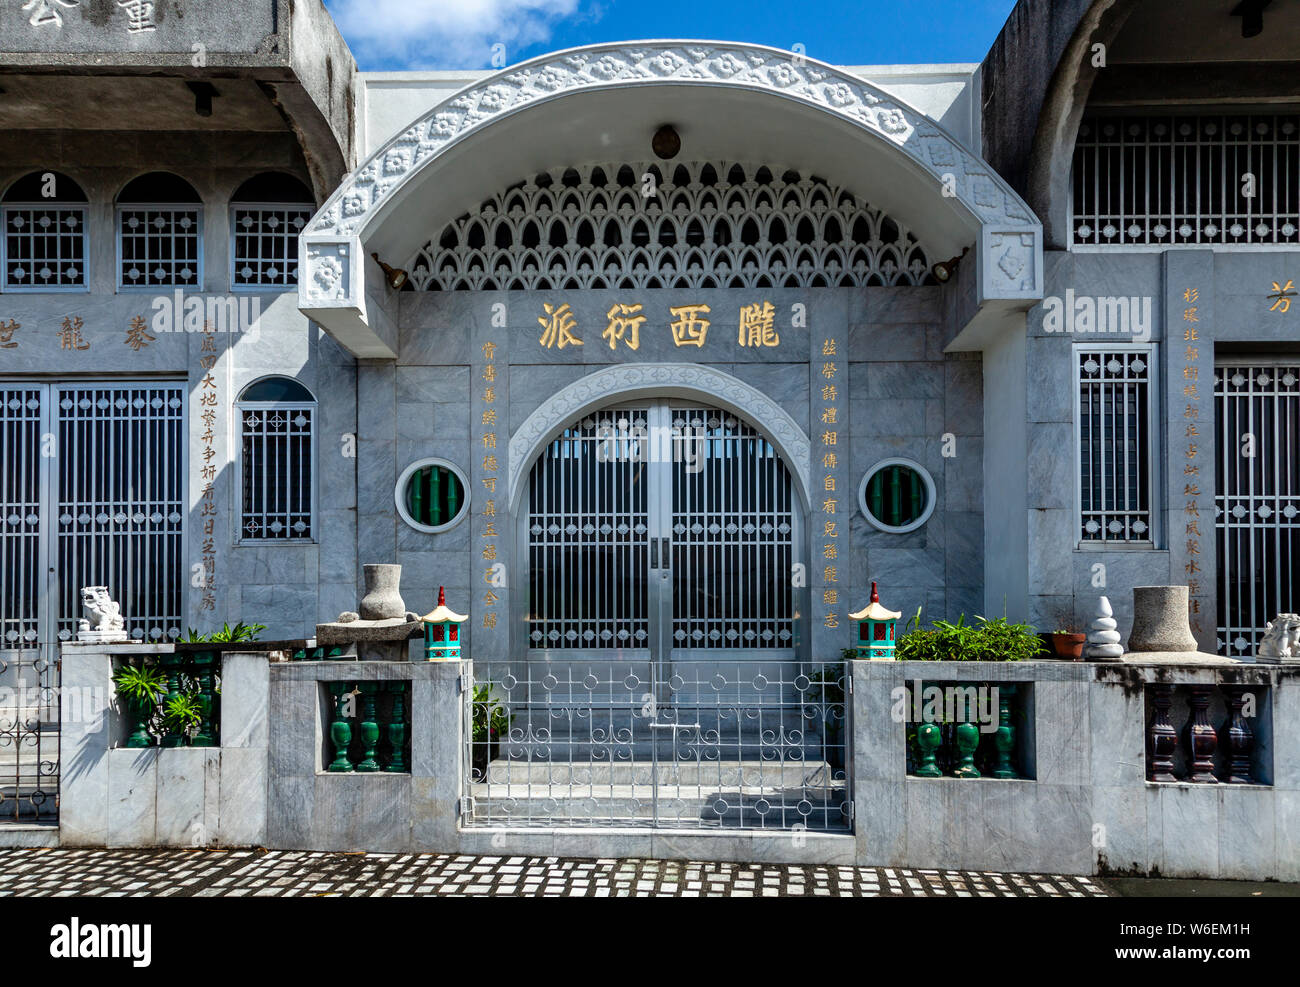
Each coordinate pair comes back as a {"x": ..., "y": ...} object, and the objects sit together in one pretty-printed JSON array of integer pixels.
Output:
[{"x": 696, "y": 225}]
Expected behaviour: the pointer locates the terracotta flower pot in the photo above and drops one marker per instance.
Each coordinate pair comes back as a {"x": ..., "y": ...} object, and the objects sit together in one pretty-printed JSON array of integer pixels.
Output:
[{"x": 1068, "y": 646}]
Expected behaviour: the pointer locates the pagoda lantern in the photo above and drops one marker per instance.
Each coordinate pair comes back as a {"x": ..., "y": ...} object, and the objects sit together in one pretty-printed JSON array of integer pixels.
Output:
[
  {"x": 442, "y": 631},
  {"x": 875, "y": 629}
]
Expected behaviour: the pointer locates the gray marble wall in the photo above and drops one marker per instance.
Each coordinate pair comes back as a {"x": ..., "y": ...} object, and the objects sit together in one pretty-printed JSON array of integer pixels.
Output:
[
  {"x": 898, "y": 395},
  {"x": 288, "y": 587},
  {"x": 1089, "y": 808},
  {"x": 1232, "y": 312},
  {"x": 112, "y": 795}
]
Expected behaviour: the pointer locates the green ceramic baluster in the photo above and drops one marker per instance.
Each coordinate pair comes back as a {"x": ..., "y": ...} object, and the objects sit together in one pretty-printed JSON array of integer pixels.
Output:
[
  {"x": 172, "y": 676},
  {"x": 340, "y": 729},
  {"x": 397, "y": 728},
  {"x": 141, "y": 711},
  {"x": 1005, "y": 738},
  {"x": 205, "y": 737},
  {"x": 928, "y": 739},
  {"x": 967, "y": 739},
  {"x": 369, "y": 727}
]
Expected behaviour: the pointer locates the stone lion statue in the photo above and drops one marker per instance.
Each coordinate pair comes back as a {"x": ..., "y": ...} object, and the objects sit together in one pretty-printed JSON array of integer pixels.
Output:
[
  {"x": 1281, "y": 637},
  {"x": 99, "y": 611}
]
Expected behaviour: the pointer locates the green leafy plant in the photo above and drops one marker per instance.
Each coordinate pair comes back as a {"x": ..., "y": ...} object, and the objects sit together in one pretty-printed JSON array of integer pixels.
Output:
[
  {"x": 491, "y": 718},
  {"x": 227, "y": 634},
  {"x": 139, "y": 685},
  {"x": 182, "y": 713},
  {"x": 987, "y": 640}
]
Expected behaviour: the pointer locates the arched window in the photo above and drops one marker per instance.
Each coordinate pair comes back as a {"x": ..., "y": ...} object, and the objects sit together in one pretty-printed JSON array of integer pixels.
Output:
[
  {"x": 44, "y": 243},
  {"x": 267, "y": 213},
  {"x": 277, "y": 477},
  {"x": 159, "y": 233}
]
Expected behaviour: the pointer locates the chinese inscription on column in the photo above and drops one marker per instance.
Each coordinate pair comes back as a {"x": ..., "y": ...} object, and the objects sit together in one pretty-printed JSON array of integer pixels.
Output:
[
  {"x": 828, "y": 495},
  {"x": 1193, "y": 452},
  {"x": 490, "y": 466},
  {"x": 208, "y": 469}
]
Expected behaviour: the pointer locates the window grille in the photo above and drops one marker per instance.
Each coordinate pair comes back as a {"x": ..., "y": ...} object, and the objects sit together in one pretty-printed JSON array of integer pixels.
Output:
[
  {"x": 159, "y": 246},
  {"x": 44, "y": 247},
  {"x": 266, "y": 244},
  {"x": 704, "y": 226},
  {"x": 1115, "y": 444},
  {"x": 277, "y": 461},
  {"x": 1167, "y": 180}
]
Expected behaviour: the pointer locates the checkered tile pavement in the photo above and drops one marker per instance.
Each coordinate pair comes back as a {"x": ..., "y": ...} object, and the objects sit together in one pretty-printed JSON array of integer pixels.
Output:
[{"x": 289, "y": 873}]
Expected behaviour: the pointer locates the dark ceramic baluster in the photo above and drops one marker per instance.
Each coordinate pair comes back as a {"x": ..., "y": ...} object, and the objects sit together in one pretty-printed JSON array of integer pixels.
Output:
[
  {"x": 1241, "y": 739},
  {"x": 1203, "y": 740},
  {"x": 1162, "y": 737}
]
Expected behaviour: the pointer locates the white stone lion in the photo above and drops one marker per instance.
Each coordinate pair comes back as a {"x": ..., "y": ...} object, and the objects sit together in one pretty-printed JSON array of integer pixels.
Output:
[
  {"x": 1281, "y": 637},
  {"x": 100, "y": 612}
]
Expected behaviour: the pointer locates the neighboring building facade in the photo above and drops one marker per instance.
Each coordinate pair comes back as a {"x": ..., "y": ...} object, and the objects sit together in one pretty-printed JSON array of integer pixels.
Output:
[{"x": 668, "y": 394}]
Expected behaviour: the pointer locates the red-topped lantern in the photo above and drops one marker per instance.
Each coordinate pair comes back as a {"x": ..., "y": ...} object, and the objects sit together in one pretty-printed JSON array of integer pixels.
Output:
[
  {"x": 442, "y": 631},
  {"x": 875, "y": 629}
]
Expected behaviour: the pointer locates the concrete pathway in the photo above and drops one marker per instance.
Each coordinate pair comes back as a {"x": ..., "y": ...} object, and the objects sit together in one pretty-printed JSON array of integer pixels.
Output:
[{"x": 276, "y": 873}]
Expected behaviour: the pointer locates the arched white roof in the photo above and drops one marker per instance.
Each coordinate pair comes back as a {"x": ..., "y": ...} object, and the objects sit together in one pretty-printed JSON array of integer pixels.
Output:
[{"x": 601, "y": 102}]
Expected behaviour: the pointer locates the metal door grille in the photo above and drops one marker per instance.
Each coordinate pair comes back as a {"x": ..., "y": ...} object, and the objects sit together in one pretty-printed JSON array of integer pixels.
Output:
[
  {"x": 588, "y": 536},
  {"x": 1257, "y": 498},
  {"x": 120, "y": 490},
  {"x": 91, "y": 493},
  {"x": 660, "y": 684},
  {"x": 732, "y": 535},
  {"x": 724, "y": 744}
]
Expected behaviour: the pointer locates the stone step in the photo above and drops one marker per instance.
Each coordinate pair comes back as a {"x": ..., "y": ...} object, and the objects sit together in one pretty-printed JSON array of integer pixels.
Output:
[
  {"x": 743, "y": 774},
  {"x": 692, "y": 806}
]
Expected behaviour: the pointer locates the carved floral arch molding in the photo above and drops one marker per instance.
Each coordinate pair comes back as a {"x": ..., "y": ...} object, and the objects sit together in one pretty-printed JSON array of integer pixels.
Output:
[
  {"x": 1009, "y": 248},
  {"x": 685, "y": 380}
]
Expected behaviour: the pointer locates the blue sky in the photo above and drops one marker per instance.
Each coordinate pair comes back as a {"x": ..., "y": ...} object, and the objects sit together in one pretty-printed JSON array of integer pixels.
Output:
[{"x": 439, "y": 34}]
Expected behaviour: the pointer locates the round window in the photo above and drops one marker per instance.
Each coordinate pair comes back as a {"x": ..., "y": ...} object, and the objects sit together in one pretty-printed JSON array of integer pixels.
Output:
[
  {"x": 897, "y": 495},
  {"x": 432, "y": 495}
]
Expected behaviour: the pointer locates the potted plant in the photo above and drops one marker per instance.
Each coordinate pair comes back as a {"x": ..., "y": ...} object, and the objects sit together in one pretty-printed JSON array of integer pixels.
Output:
[
  {"x": 1067, "y": 644},
  {"x": 491, "y": 720},
  {"x": 182, "y": 714},
  {"x": 139, "y": 686}
]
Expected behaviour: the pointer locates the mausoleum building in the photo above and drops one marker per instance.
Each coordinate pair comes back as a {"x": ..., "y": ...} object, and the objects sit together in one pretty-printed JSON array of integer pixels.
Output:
[{"x": 663, "y": 349}]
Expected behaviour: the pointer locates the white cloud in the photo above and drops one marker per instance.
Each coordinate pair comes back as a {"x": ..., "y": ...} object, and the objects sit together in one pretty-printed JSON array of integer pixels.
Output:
[{"x": 443, "y": 33}]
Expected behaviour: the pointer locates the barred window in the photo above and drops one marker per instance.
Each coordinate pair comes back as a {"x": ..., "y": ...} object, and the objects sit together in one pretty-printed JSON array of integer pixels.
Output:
[
  {"x": 1115, "y": 444},
  {"x": 44, "y": 241},
  {"x": 159, "y": 233},
  {"x": 266, "y": 216},
  {"x": 276, "y": 419},
  {"x": 1169, "y": 180}
]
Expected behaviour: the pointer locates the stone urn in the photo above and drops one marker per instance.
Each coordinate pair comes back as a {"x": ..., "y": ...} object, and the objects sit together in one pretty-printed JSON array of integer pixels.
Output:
[
  {"x": 1160, "y": 621},
  {"x": 382, "y": 601}
]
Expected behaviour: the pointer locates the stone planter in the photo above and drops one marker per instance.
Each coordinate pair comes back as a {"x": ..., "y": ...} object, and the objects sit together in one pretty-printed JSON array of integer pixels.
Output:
[{"x": 383, "y": 599}]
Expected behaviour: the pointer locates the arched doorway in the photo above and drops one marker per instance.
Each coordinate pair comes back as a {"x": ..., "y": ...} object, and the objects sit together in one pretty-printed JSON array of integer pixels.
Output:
[
  {"x": 661, "y": 681},
  {"x": 662, "y": 531}
]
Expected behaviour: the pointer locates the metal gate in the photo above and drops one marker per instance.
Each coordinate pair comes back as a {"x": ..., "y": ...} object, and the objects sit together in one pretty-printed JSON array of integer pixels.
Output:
[
  {"x": 662, "y": 682},
  {"x": 91, "y": 493},
  {"x": 1257, "y": 497}
]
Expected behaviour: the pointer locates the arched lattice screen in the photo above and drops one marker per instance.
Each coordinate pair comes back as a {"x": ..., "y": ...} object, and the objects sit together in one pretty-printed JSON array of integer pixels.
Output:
[{"x": 706, "y": 226}]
